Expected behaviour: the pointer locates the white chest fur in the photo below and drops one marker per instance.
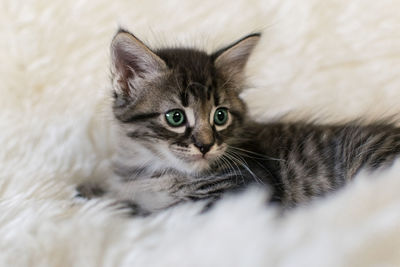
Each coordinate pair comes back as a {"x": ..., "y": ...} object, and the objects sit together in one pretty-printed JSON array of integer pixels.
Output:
[{"x": 149, "y": 193}]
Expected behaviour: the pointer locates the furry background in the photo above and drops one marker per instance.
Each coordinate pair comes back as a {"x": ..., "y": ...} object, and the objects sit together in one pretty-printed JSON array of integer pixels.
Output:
[{"x": 330, "y": 60}]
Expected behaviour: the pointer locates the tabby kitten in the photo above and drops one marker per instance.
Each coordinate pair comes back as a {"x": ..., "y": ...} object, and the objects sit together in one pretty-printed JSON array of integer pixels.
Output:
[{"x": 184, "y": 133}]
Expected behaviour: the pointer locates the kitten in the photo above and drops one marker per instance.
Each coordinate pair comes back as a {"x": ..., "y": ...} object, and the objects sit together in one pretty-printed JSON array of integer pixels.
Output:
[{"x": 184, "y": 133}]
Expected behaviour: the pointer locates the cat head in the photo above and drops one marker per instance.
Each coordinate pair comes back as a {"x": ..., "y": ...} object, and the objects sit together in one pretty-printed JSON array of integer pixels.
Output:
[{"x": 180, "y": 105}]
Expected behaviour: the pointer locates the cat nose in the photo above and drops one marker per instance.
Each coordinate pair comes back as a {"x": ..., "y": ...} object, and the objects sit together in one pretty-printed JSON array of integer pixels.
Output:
[
  {"x": 203, "y": 139},
  {"x": 204, "y": 148}
]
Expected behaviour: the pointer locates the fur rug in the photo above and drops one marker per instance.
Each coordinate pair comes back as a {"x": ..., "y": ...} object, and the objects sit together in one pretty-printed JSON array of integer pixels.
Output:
[{"x": 330, "y": 61}]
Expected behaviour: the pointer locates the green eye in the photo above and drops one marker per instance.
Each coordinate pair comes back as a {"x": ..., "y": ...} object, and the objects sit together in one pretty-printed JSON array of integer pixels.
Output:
[
  {"x": 221, "y": 116},
  {"x": 175, "y": 117}
]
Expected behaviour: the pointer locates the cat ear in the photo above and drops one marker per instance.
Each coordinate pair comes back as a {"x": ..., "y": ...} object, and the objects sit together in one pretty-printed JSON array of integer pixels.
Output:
[
  {"x": 231, "y": 60},
  {"x": 132, "y": 63}
]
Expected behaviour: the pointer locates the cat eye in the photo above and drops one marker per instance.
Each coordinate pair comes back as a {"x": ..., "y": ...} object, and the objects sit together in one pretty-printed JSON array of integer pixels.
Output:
[
  {"x": 221, "y": 116},
  {"x": 175, "y": 117}
]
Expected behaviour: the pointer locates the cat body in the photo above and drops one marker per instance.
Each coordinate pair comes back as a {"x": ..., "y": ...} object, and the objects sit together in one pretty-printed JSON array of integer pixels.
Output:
[
  {"x": 184, "y": 133},
  {"x": 296, "y": 162}
]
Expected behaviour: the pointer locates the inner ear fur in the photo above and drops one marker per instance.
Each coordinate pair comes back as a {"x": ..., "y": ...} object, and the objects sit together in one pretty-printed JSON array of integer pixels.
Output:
[
  {"x": 132, "y": 61},
  {"x": 231, "y": 60}
]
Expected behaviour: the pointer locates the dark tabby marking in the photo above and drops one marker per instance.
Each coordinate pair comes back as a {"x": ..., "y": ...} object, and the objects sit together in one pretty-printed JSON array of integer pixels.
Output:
[
  {"x": 89, "y": 191},
  {"x": 211, "y": 146}
]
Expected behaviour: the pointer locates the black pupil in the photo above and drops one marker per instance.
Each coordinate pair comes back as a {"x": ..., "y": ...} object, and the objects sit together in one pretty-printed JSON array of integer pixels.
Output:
[
  {"x": 177, "y": 116},
  {"x": 220, "y": 115}
]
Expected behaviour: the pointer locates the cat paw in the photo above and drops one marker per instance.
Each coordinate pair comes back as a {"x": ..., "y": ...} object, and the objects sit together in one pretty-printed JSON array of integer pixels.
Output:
[
  {"x": 134, "y": 209},
  {"x": 89, "y": 191}
]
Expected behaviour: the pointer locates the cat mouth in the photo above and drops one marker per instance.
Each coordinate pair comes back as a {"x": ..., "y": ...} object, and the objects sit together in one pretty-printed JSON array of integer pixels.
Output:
[
  {"x": 195, "y": 157},
  {"x": 201, "y": 162},
  {"x": 198, "y": 163}
]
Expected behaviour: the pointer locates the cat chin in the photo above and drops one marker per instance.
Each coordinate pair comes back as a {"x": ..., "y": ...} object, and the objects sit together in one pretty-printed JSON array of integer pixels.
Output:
[
  {"x": 194, "y": 167},
  {"x": 200, "y": 166}
]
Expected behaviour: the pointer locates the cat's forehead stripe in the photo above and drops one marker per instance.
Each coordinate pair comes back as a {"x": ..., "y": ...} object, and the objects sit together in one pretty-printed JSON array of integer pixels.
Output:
[
  {"x": 209, "y": 91},
  {"x": 184, "y": 98},
  {"x": 216, "y": 98}
]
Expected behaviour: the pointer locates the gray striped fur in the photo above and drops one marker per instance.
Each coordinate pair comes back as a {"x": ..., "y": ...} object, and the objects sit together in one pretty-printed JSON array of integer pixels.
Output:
[{"x": 154, "y": 166}]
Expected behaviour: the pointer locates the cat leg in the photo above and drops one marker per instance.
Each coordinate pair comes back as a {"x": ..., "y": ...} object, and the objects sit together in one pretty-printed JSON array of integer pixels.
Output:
[
  {"x": 89, "y": 190},
  {"x": 211, "y": 187}
]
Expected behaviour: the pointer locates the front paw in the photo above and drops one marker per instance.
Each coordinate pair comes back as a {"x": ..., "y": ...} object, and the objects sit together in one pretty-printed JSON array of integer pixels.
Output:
[
  {"x": 89, "y": 191},
  {"x": 133, "y": 208}
]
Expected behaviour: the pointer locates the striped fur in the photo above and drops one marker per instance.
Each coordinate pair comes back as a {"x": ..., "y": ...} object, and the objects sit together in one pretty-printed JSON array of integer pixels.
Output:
[{"x": 157, "y": 165}]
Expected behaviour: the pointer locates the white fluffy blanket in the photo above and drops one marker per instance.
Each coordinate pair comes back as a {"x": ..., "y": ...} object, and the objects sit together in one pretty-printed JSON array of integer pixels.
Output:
[{"x": 330, "y": 60}]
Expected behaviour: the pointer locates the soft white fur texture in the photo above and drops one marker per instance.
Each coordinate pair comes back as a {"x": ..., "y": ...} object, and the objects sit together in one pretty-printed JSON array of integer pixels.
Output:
[{"x": 330, "y": 60}]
